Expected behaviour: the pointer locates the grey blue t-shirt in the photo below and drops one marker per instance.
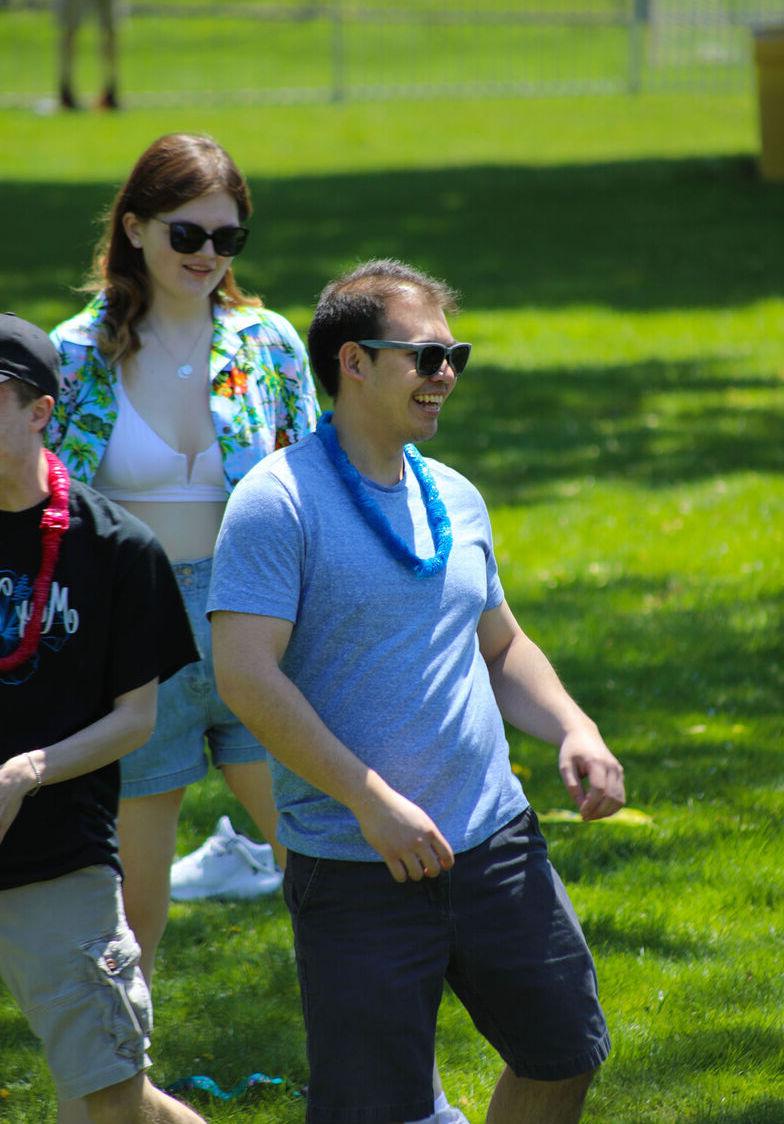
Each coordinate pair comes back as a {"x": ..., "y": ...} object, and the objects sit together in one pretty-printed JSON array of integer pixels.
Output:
[{"x": 389, "y": 661}]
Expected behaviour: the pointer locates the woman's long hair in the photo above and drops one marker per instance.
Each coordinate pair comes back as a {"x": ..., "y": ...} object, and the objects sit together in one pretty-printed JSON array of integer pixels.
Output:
[{"x": 175, "y": 168}]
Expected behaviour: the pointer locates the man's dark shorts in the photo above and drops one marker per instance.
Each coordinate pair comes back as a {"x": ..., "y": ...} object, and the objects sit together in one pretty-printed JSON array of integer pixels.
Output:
[{"x": 372, "y": 955}]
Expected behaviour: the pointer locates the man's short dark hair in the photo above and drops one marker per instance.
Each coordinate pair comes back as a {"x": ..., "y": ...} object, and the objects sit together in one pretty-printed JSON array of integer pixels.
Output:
[
  {"x": 353, "y": 307},
  {"x": 25, "y": 393}
]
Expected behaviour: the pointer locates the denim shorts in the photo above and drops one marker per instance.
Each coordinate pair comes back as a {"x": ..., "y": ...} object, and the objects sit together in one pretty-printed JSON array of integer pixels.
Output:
[
  {"x": 190, "y": 711},
  {"x": 372, "y": 955},
  {"x": 72, "y": 964}
]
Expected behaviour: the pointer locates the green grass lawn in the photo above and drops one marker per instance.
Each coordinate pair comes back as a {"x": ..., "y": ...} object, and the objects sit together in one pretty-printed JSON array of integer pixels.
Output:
[{"x": 620, "y": 263}]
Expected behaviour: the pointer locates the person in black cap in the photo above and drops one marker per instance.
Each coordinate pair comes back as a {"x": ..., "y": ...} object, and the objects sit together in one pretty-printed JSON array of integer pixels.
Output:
[
  {"x": 90, "y": 620},
  {"x": 27, "y": 355}
]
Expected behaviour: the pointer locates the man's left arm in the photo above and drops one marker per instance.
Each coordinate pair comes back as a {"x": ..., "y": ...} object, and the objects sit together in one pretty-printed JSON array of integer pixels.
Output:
[{"x": 532, "y": 698}]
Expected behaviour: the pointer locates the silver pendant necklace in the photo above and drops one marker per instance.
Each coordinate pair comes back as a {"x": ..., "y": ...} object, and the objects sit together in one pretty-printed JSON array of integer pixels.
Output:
[{"x": 185, "y": 369}]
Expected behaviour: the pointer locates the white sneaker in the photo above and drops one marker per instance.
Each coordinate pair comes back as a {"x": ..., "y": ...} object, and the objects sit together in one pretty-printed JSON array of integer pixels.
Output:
[
  {"x": 444, "y": 1113},
  {"x": 450, "y": 1115},
  {"x": 227, "y": 865}
]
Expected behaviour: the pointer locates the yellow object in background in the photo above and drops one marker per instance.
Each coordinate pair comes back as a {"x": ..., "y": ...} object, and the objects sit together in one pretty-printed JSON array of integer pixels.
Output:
[
  {"x": 632, "y": 817},
  {"x": 769, "y": 57}
]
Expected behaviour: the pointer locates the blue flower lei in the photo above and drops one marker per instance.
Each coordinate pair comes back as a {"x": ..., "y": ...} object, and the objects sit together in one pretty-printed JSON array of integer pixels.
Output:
[{"x": 437, "y": 518}]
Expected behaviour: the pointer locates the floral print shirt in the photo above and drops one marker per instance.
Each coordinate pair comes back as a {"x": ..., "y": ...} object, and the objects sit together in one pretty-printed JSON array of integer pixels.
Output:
[{"x": 262, "y": 396}]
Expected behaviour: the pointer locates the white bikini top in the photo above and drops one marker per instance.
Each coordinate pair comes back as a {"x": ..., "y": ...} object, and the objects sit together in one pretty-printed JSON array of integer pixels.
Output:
[{"x": 139, "y": 465}]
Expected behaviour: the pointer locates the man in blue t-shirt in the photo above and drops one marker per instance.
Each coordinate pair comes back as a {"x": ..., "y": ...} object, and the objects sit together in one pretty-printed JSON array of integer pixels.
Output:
[{"x": 362, "y": 633}]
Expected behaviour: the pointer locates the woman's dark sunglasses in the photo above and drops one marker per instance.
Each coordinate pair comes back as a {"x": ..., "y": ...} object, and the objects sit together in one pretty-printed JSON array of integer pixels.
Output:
[
  {"x": 430, "y": 356},
  {"x": 188, "y": 237}
]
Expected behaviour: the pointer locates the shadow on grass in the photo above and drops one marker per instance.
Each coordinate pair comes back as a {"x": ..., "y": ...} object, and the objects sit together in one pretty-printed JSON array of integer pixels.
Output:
[
  {"x": 518, "y": 433},
  {"x": 228, "y": 967},
  {"x": 606, "y": 936},
  {"x": 676, "y": 1058},
  {"x": 689, "y": 233},
  {"x": 761, "y": 1110},
  {"x": 640, "y": 234},
  {"x": 661, "y": 640}
]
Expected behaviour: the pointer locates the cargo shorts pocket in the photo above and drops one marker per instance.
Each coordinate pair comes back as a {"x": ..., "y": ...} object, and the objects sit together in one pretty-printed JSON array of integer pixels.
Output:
[{"x": 113, "y": 961}]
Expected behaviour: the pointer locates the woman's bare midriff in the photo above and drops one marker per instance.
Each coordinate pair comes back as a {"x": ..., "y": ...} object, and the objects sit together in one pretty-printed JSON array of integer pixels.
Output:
[{"x": 186, "y": 531}]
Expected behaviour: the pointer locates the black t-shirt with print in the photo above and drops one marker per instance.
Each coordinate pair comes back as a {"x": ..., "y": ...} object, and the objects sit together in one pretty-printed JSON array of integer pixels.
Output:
[{"x": 114, "y": 621}]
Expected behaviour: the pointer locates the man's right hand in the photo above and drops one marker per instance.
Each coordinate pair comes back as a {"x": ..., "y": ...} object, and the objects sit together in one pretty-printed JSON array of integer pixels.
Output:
[{"x": 406, "y": 838}]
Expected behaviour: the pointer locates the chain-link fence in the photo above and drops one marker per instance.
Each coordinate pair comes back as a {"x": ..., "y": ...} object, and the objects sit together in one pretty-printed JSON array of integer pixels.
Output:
[{"x": 252, "y": 51}]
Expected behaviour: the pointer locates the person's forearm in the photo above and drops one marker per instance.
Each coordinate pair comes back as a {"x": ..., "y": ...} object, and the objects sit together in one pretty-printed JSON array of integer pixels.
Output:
[
  {"x": 276, "y": 712},
  {"x": 530, "y": 695},
  {"x": 127, "y": 726}
]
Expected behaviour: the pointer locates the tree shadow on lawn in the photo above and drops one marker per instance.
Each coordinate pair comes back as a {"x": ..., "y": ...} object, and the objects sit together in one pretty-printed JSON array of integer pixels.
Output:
[
  {"x": 605, "y": 936},
  {"x": 648, "y": 864},
  {"x": 518, "y": 433},
  {"x": 258, "y": 933},
  {"x": 687, "y": 697},
  {"x": 639, "y": 234},
  {"x": 675, "y": 1060},
  {"x": 633, "y": 235},
  {"x": 656, "y": 642},
  {"x": 762, "y": 1110},
  {"x": 231, "y": 973}
]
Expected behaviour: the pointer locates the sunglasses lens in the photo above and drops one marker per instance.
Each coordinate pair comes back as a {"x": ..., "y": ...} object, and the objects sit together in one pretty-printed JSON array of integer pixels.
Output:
[
  {"x": 430, "y": 359},
  {"x": 186, "y": 237},
  {"x": 432, "y": 356},
  {"x": 460, "y": 356},
  {"x": 229, "y": 240}
]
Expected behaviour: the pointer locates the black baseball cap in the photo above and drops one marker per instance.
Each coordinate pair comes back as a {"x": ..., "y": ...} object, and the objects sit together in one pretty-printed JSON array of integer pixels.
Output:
[{"x": 27, "y": 354}]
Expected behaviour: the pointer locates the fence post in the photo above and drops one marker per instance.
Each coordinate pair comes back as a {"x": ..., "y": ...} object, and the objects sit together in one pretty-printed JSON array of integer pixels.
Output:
[
  {"x": 338, "y": 53},
  {"x": 639, "y": 18}
]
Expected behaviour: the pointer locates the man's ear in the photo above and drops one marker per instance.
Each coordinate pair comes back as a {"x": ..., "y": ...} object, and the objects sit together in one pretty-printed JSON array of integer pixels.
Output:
[
  {"x": 350, "y": 357},
  {"x": 41, "y": 412}
]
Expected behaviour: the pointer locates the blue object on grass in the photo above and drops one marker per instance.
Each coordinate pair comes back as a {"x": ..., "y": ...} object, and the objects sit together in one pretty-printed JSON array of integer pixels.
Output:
[{"x": 207, "y": 1085}]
